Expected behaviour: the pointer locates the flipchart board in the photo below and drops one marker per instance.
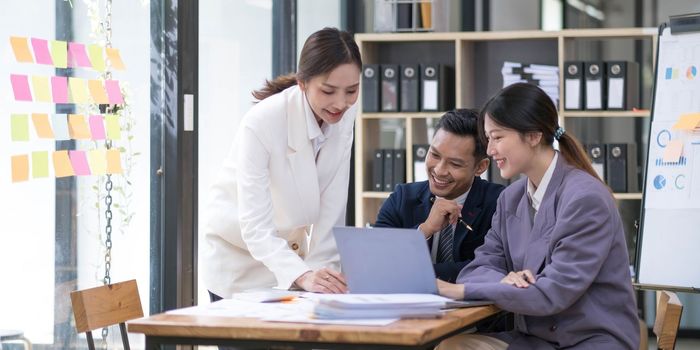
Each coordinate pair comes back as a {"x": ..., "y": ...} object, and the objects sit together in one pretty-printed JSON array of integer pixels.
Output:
[{"x": 668, "y": 248}]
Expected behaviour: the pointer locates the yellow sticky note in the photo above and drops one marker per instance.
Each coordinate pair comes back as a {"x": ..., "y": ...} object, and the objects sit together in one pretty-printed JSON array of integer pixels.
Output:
[
  {"x": 20, "y": 168},
  {"x": 114, "y": 58},
  {"x": 78, "y": 127},
  {"x": 59, "y": 53},
  {"x": 20, "y": 46},
  {"x": 97, "y": 57},
  {"x": 673, "y": 151},
  {"x": 114, "y": 162},
  {"x": 112, "y": 125},
  {"x": 98, "y": 161},
  {"x": 61, "y": 164},
  {"x": 40, "y": 164},
  {"x": 42, "y": 126},
  {"x": 78, "y": 90},
  {"x": 97, "y": 91},
  {"x": 41, "y": 89},
  {"x": 19, "y": 125}
]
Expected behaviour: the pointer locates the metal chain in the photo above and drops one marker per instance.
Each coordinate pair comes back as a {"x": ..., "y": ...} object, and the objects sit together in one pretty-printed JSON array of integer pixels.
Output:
[{"x": 108, "y": 184}]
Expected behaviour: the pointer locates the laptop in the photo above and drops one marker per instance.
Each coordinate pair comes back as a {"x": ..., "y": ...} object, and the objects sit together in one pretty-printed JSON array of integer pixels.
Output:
[{"x": 388, "y": 260}]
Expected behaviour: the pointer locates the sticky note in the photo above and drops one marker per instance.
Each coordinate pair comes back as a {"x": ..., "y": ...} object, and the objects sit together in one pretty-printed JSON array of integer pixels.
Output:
[
  {"x": 113, "y": 92},
  {"x": 114, "y": 162},
  {"x": 78, "y": 159},
  {"x": 97, "y": 127},
  {"x": 97, "y": 91},
  {"x": 19, "y": 127},
  {"x": 41, "y": 89},
  {"x": 20, "y": 168},
  {"x": 60, "y": 127},
  {"x": 20, "y": 47},
  {"x": 673, "y": 151},
  {"x": 97, "y": 159},
  {"x": 78, "y": 90},
  {"x": 77, "y": 57},
  {"x": 688, "y": 121},
  {"x": 112, "y": 125},
  {"x": 59, "y": 53},
  {"x": 41, "y": 51},
  {"x": 97, "y": 57},
  {"x": 59, "y": 89},
  {"x": 20, "y": 87},
  {"x": 40, "y": 164},
  {"x": 42, "y": 126},
  {"x": 78, "y": 127},
  {"x": 114, "y": 58},
  {"x": 61, "y": 164}
]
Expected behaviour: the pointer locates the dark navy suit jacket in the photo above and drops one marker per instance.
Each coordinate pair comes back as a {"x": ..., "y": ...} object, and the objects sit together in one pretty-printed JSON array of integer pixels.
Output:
[{"x": 409, "y": 205}]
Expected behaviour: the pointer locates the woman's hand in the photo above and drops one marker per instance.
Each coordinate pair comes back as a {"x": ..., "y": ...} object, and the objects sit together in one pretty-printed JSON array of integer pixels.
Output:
[
  {"x": 520, "y": 279},
  {"x": 450, "y": 290},
  {"x": 324, "y": 280}
]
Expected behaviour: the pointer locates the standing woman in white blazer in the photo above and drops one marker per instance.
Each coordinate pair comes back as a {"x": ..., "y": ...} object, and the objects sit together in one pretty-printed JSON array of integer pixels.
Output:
[{"x": 285, "y": 182}]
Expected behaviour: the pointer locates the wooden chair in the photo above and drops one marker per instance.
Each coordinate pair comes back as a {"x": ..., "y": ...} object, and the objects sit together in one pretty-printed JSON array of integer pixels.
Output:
[
  {"x": 668, "y": 319},
  {"x": 106, "y": 306}
]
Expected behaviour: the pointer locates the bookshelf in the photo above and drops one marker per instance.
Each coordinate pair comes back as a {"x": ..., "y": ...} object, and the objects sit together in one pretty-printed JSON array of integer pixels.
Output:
[{"x": 477, "y": 58}]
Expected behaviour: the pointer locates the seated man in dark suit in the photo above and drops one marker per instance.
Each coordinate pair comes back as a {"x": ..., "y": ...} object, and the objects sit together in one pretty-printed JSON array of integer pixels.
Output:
[{"x": 454, "y": 207}]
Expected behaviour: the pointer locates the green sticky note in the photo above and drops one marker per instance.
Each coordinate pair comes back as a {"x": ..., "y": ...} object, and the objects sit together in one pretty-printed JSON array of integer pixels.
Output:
[
  {"x": 59, "y": 53},
  {"x": 40, "y": 164},
  {"x": 97, "y": 57},
  {"x": 112, "y": 125},
  {"x": 20, "y": 127}
]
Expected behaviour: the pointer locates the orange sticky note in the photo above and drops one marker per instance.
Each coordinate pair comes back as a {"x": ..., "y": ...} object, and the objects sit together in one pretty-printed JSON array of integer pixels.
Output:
[
  {"x": 78, "y": 90},
  {"x": 114, "y": 58},
  {"x": 97, "y": 91},
  {"x": 114, "y": 162},
  {"x": 20, "y": 168},
  {"x": 42, "y": 125},
  {"x": 61, "y": 164},
  {"x": 78, "y": 127},
  {"x": 40, "y": 164},
  {"x": 673, "y": 151},
  {"x": 687, "y": 121},
  {"x": 97, "y": 159},
  {"x": 20, "y": 47},
  {"x": 41, "y": 89}
]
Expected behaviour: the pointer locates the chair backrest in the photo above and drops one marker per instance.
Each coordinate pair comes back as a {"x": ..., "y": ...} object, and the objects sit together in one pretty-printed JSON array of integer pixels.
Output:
[
  {"x": 668, "y": 319},
  {"x": 106, "y": 306}
]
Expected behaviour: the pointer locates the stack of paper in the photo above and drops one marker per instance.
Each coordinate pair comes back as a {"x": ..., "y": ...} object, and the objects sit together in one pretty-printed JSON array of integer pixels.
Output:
[
  {"x": 544, "y": 76},
  {"x": 351, "y": 306}
]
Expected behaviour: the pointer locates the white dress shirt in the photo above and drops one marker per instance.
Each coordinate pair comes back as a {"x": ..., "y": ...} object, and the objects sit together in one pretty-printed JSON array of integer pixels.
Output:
[
  {"x": 317, "y": 135},
  {"x": 536, "y": 195}
]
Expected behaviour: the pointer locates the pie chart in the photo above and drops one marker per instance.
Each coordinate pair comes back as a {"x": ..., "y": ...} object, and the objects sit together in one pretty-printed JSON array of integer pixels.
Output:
[
  {"x": 659, "y": 182},
  {"x": 691, "y": 72}
]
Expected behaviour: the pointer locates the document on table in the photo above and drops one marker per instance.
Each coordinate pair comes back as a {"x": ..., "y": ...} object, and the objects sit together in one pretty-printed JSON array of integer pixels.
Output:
[{"x": 297, "y": 310}]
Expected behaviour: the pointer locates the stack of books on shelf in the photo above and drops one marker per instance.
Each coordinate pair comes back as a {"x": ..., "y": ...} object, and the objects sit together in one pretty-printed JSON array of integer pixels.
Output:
[
  {"x": 364, "y": 306},
  {"x": 542, "y": 75}
]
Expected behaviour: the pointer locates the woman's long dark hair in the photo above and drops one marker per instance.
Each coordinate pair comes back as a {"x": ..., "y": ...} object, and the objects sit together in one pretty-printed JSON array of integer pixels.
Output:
[
  {"x": 323, "y": 51},
  {"x": 526, "y": 108}
]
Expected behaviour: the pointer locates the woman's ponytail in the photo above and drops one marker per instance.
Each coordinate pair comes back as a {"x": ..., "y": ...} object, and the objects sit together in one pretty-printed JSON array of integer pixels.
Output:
[{"x": 275, "y": 85}]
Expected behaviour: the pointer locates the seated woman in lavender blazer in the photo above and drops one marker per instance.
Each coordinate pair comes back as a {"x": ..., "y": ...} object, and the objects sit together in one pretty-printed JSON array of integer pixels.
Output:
[{"x": 556, "y": 254}]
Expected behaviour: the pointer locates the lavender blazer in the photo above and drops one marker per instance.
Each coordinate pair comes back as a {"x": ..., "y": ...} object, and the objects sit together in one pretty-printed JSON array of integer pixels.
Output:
[{"x": 583, "y": 297}]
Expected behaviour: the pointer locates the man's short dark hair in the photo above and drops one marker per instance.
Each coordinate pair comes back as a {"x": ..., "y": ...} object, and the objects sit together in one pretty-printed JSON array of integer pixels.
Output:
[{"x": 464, "y": 122}]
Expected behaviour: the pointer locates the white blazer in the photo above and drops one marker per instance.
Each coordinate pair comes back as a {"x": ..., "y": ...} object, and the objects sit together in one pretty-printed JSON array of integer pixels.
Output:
[{"x": 272, "y": 208}]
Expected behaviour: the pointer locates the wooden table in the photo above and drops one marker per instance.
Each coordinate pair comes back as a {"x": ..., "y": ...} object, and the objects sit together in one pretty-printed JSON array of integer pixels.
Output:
[{"x": 252, "y": 333}]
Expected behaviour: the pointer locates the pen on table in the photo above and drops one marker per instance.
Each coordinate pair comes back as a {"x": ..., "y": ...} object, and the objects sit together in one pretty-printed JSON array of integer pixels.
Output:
[{"x": 466, "y": 225}]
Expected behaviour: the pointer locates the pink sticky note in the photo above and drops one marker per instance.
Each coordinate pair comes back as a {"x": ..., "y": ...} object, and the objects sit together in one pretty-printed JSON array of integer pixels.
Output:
[
  {"x": 79, "y": 161},
  {"x": 59, "y": 88},
  {"x": 41, "y": 51},
  {"x": 113, "y": 92},
  {"x": 97, "y": 127},
  {"x": 20, "y": 86},
  {"x": 78, "y": 55}
]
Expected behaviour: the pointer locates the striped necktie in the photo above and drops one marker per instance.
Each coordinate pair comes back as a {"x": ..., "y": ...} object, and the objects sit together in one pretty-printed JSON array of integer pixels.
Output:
[{"x": 446, "y": 244}]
